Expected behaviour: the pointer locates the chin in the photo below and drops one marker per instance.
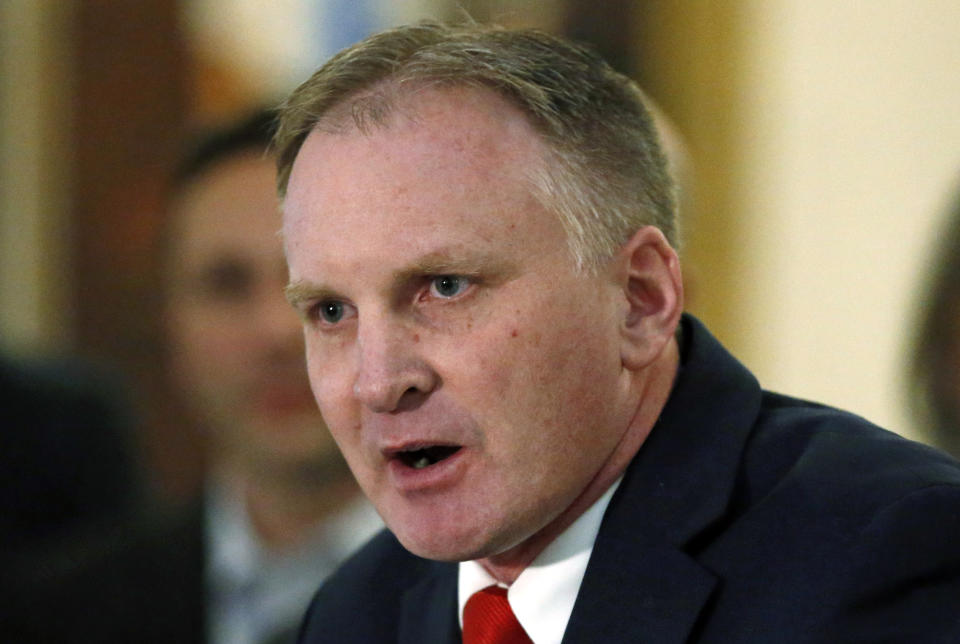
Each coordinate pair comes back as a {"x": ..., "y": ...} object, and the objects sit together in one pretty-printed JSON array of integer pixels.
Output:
[
  {"x": 441, "y": 550},
  {"x": 431, "y": 539},
  {"x": 437, "y": 540}
]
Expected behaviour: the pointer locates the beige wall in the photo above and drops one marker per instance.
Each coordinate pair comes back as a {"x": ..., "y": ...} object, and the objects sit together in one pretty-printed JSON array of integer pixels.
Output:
[
  {"x": 850, "y": 142},
  {"x": 825, "y": 138},
  {"x": 35, "y": 313}
]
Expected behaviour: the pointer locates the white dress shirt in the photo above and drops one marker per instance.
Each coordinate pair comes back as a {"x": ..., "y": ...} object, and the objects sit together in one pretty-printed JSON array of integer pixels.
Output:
[
  {"x": 542, "y": 597},
  {"x": 254, "y": 594}
]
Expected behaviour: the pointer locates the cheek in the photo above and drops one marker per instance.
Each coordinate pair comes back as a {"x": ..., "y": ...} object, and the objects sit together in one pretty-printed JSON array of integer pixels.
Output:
[
  {"x": 550, "y": 379},
  {"x": 512, "y": 372},
  {"x": 212, "y": 337},
  {"x": 556, "y": 347},
  {"x": 197, "y": 350},
  {"x": 331, "y": 380}
]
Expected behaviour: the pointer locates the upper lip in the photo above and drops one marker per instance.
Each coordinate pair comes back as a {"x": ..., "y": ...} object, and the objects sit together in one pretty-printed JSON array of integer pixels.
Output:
[
  {"x": 412, "y": 446},
  {"x": 396, "y": 436},
  {"x": 418, "y": 454}
]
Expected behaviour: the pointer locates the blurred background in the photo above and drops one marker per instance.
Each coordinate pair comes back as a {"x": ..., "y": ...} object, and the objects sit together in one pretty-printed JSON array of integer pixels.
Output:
[{"x": 822, "y": 146}]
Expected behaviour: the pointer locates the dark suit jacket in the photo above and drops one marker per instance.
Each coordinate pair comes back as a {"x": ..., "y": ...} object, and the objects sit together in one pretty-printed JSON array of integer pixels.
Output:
[
  {"x": 746, "y": 517},
  {"x": 141, "y": 583},
  {"x": 66, "y": 453}
]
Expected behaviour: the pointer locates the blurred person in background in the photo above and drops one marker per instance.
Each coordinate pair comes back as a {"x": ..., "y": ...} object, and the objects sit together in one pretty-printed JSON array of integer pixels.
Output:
[
  {"x": 934, "y": 369},
  {"x": 280, "y": 508}
]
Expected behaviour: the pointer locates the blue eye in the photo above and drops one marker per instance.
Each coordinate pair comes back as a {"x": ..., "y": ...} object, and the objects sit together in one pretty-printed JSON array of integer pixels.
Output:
[
  {"x": 330, "y": 312},
  {"x": 446, "y": 286}
]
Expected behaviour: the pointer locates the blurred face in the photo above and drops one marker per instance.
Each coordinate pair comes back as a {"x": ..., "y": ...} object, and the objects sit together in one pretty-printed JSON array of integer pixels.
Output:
[
  {"x": 236, "y": 348},
  {"x": 469, "y": 373}
]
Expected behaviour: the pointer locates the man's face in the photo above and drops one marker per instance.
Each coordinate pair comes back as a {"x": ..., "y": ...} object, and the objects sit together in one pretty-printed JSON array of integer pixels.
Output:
[
  {"x": 236, "y": 348},
  {"x": 470, "y": 374}
]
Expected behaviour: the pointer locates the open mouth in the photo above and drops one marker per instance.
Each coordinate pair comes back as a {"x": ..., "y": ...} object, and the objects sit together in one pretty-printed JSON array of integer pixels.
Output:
[{"x": 427, "y": 456}]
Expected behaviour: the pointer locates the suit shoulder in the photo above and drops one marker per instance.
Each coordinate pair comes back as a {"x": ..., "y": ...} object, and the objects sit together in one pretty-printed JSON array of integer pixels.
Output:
[
  {"x": 361, "y": 601},
  {"x": 836, "y": 527},
  {"x": 829, "y": 458},
  {"x": 381, "y": 561}
]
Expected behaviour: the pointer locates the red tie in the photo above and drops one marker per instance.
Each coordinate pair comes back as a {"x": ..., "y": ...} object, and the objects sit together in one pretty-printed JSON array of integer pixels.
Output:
[{"x": 488, "y": 619}]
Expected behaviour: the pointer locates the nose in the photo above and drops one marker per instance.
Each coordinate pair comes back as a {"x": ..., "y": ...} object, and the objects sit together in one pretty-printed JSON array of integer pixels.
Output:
[{"x": 392, "y": 376}]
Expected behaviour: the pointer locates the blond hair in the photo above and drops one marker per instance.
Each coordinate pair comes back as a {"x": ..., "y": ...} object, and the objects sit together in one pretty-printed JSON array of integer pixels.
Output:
[{"x": 605, "y": 175}]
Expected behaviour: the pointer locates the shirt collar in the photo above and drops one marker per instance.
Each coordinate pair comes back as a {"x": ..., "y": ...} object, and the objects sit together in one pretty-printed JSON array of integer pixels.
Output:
[
  {"x": 234, "y": 553},
  {"x": 542, "y": 597},
  {"x": 280, "y": 582}
]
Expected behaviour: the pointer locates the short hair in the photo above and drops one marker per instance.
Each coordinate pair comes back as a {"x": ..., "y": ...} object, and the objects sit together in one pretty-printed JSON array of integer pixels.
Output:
[
  {"x": 251, "y": 132},
  {"x": 604, "y": 175}
]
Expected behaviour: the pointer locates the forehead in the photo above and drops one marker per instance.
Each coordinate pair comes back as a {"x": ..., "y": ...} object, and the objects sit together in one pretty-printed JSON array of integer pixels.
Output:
[
  {"x": 232, "y": 204},
  {"x": 456, "y": 159}
]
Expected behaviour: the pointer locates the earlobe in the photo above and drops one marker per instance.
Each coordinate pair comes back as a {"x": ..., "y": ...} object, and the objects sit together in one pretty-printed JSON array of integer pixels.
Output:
[{"x": 649, "y": 274}]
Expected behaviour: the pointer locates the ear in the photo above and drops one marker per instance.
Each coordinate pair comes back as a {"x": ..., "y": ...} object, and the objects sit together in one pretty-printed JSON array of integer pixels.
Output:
[{"x": 648, "y": 272}]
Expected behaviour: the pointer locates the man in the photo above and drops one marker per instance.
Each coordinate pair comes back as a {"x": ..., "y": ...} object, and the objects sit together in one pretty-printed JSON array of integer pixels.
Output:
[
  {"x": 280, "y": 508},
  {"x": 480, "y": 234}
]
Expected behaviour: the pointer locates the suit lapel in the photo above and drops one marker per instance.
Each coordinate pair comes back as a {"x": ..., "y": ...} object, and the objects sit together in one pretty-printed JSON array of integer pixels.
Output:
[
  {"x": 428, "y": 611},
  {"x": 654, "y": 597},
  {"x": 643, "y": 582}
]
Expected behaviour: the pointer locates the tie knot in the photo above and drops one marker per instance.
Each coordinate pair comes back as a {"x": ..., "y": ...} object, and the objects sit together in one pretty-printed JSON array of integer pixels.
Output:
[{"x": 488, "y": 619}]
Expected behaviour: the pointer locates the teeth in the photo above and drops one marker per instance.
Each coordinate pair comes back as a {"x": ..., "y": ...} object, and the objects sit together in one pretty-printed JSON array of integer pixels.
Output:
[{"x": 421, "y": 463}]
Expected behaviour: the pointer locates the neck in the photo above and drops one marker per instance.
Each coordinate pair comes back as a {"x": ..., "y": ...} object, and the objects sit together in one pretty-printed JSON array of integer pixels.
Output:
[
  {"x": 652, "y": 393},
  {"x": 285, "y": 505}
]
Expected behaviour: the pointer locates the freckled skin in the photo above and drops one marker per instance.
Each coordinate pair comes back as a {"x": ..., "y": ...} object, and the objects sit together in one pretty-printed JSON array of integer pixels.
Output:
[{"x": 546, "y": 421}]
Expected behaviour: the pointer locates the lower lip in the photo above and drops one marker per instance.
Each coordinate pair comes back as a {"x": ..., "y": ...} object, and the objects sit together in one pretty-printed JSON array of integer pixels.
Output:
[{"x": 434, "y": 477}]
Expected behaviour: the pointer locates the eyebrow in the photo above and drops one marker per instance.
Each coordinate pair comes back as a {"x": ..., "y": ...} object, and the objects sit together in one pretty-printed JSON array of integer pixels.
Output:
[
  {"x": 435, "y": 263},
  {"x": 300, "y": 291},
  {"x": 443, "y": 263}
]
